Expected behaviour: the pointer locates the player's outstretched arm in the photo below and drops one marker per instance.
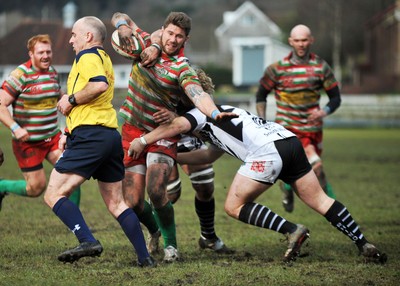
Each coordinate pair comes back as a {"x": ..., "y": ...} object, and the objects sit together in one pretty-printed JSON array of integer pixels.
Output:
[
  {"x": 200, "y": 156},
  {"x": 204, "y": 102},
  {"x": 177, "y": 126}
]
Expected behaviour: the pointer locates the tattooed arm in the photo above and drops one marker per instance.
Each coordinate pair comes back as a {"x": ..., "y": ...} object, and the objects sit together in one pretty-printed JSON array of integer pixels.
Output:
[
  {"x": 201, "y": 99},
  {"x": 204, "y": 102}
]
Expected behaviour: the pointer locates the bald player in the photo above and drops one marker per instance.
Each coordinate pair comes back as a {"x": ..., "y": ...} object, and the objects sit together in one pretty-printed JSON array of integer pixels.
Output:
[{"x": 297, "y": 81}]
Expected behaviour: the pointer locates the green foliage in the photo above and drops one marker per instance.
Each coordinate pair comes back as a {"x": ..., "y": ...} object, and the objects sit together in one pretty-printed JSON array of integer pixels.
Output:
[{"x": 362, "y": 166}]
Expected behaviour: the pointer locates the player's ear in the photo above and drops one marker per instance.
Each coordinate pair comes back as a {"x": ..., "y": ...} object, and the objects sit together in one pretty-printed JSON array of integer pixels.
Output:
[
  {"x": 89, "y": 36},
  {"x": 290, "y": 41}
]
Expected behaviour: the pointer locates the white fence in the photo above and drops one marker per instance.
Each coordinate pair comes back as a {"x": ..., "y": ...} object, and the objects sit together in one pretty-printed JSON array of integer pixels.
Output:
[{"x": 355, "y": 110}]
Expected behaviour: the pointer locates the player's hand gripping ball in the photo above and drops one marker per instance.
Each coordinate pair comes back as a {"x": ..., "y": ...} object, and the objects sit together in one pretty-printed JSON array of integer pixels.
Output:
[{"x": 134, "y": 54}]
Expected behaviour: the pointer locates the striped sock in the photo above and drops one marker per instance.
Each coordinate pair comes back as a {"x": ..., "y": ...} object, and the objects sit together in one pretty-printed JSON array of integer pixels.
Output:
[
  {"x": 261, "y": 216},
  {"x": 205, "y": 212},
  {"x": 340, "y": 217}
]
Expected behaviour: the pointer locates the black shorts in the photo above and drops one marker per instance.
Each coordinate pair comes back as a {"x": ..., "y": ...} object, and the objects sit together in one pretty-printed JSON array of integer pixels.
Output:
[
  {"x": 294, "y": 159},
  {"x": 93, "y": 151}
]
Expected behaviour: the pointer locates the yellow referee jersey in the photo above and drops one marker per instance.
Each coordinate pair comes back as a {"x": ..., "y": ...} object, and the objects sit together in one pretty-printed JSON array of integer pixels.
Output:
[{"x": 92, "y": 65}]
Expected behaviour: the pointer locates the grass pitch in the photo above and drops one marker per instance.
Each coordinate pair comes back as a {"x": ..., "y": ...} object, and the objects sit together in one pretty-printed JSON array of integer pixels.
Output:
[{"x": 362, "y": 166}]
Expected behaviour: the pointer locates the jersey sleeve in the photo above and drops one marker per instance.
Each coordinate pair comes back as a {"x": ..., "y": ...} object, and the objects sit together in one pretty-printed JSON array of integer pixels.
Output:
[
  {"x": 188, "y": 76},
  {"x": 91, "y": 68},
  {"x": 269, "y": 78},
  {"x": 145, "y": 36},
  {"x": 329, "y": 78},
  {"x": 14, "y": 83},
  {"x": 196, "y": 118}
]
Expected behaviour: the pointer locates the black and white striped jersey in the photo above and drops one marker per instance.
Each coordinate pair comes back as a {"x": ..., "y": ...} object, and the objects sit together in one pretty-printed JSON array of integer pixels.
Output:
[{"x": 240, "y": 137}]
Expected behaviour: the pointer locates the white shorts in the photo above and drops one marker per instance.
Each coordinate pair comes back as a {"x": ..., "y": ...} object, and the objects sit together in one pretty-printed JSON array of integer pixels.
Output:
[{"x": 264, "y": 165}]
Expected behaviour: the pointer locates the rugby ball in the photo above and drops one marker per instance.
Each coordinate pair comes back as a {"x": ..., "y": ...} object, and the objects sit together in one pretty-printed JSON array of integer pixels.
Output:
[{"x": 134, "y": 54}]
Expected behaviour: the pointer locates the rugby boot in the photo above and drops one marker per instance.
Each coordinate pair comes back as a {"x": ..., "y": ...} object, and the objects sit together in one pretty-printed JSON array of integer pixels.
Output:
[
  {"x": 295, "y": 241},
  {"x": 217, "y": 245},
  {"x": 84, "y": 249}
]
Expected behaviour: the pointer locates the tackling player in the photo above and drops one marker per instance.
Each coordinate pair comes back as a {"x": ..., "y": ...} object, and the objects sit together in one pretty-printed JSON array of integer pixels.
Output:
[{"x": 269, "y": 152}]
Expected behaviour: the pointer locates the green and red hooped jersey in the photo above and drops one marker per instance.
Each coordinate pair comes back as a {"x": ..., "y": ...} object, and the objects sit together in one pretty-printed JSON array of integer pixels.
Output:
[
  {"x": 160, "y": 86},
  {"x": 36, "y": 95},
  {"x": 297, "y": 90}
]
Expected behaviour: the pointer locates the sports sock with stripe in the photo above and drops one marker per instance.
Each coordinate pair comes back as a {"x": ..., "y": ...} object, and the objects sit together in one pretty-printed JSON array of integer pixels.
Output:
[
  {"x": 340, "y": 217},
  {"x": 205, "y": 212},
  {"x": 261, "y": 216}
]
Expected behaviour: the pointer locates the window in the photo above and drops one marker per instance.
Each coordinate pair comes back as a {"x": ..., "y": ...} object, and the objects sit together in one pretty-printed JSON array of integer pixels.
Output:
[{"x": 248, "y": 20}]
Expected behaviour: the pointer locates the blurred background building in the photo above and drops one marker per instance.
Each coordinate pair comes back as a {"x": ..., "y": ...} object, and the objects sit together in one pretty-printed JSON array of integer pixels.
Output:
[{"x": 233, "y": 40}]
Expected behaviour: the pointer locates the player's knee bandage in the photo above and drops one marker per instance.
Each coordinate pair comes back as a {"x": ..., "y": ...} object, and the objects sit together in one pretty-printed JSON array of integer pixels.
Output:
[
  {"x": 174, "y": 187},
  {"x": 140, "y": 169},
  {"x": 314, "y": 159},
  {"x": 204, "y": 176},
  {"x": 156, "y": 158}
]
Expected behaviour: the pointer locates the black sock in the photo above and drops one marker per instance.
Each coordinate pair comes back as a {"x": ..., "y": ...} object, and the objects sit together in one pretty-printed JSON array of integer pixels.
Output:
[
  {"x": 341, "y": 218},
  {"x": 261, "y": 216},
  {"x": 206, "y": 212}
]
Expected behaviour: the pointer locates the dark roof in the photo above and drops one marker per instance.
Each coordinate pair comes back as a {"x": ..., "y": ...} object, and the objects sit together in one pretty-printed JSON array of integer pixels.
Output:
[{"x": 14, "y": 51}]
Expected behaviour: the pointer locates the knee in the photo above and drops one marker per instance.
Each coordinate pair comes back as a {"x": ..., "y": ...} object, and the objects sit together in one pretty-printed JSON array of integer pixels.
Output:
[
  {"x": 230, "y": 211},
  {"x": 35, "y": 189},
  {"x": 157, "y": 198},
  {"x": 50, "y": 198},
  {"x": 203, "y": 183},
  {"x": 157, "y": 190},
  {"x": 316, "y": 163},
  {"x": 174, "y": 190},
  {"x": 46, "y": 199},
  {"x": 134, "y": 202},
  {"x": 204, "y": 192},
  {"x": 317, "y": 168}
]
